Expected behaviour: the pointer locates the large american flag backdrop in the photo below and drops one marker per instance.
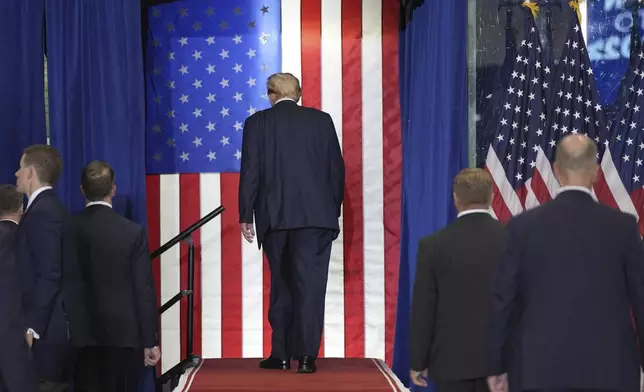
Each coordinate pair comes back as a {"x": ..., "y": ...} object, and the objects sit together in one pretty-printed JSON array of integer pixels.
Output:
[{"x": 207, "y": 67}]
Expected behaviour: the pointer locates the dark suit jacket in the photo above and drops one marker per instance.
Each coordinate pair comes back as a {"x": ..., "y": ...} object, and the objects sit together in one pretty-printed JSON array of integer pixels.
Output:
[
  {"x": 454, "y": 275},
  {"x": 117, "y": 270},
  {"x": 292, "y": 170},
  {"x": 52, "y": 289},
  {"x": 10, "y": 314},
  {"x": 571, "y": 270}
]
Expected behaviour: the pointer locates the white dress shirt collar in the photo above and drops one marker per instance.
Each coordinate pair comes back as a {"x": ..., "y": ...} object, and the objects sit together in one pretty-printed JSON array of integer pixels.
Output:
[
  {"x": 35, "y": 194},
  {"x": 99, "y": 203},
  {"x": 284, "y": 99},
  {"x": 575, "y": 188},
  {"x": 8, "y": 220},
  {"x": 473, "y": 211}
]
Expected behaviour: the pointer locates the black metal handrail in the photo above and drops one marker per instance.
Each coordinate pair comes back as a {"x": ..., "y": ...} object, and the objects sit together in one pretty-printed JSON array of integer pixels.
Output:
[
  {"x": 187, "y": 232},
  {"x": 191, "y": 358}
]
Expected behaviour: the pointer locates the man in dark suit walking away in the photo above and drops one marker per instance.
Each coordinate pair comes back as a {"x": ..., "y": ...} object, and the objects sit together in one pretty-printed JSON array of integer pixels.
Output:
[
  {"x": 292, "y": 180},
  {"x": 16, "y": 369},
  {"x": 454, "y": 274},
  {"x": 52, "y": 289},
  {"x": 120, "y": 295},
  {"x": 571, "y": 271}
]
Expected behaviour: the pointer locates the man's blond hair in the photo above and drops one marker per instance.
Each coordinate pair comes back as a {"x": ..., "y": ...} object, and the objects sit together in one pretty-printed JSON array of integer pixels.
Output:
[
  {"x": 473, "y": 186},
  {"x": 284, "y": 85}
]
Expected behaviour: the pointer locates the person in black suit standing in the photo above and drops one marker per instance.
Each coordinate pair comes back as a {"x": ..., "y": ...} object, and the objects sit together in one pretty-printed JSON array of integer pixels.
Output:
[
  {"x": 292, "y": 181},
  {"x": 120, "y": 294},
  {"x": 52, "y": 289},
  {"x": 454, "y": 273},
  {"x": 571, "y": 271},
  {"x": 16, "y": 370}
]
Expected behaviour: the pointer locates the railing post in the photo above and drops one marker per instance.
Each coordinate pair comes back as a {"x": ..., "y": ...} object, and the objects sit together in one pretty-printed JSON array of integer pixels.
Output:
[{"x": 191, "y": 297}]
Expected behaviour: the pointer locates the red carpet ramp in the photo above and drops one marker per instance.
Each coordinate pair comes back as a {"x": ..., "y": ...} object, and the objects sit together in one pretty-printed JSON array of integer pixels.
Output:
[{"x": 334, "y": 375}]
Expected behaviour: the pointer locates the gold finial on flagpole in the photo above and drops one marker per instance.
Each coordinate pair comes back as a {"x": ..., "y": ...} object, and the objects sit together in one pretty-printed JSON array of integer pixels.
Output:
[
  {"x": 574, "y": 4},
  {"x": 534, "y": 7}
]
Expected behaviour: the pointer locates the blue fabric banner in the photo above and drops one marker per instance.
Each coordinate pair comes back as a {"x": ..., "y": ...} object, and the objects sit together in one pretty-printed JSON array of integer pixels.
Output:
[
  {"x": 609, "y": 40},
  {"x": 433, "y": 90},
  {"x": 96, "y": 93},
  {"x": 22, "y": 91}
]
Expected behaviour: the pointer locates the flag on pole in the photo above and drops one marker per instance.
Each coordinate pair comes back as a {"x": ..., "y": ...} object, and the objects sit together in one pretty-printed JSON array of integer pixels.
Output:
[
  {"x": 574, "y": 108},
  {"x": 622, "y": 161},
  {"x": 512, "y": 155},
  {"x": 206, "y": 74}
]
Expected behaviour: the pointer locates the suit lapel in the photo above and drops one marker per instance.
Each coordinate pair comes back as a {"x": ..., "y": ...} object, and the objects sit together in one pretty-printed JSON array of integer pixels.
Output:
[{"x": 38, "y": 198}]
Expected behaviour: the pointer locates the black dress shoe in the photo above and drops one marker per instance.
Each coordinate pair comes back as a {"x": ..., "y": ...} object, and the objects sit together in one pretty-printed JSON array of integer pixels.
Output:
[
  {"x": 307, "y": 365},
  {"x": 274, "y": 363}
]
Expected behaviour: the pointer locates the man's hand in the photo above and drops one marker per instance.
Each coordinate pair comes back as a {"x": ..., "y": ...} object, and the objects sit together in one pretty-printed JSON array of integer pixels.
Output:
[
  {"x": 248, "y": 231},
  {"x": 498, "y": 383},
  {"x": 418, "y": 378},
  {"x": 29, "y": 338},
  {"x": 151, "y": 356}
]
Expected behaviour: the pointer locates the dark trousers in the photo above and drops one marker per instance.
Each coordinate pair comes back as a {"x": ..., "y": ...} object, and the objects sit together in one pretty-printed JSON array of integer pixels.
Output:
[
  {"x": 299, "y": 264},
  {"x": 109, "y": 369},
  {"x": 17, "y": 373},
  {"x": 54, "y": 363},
  {"x": 474, "y": 385},
  {"x": 571, "y": 390}
]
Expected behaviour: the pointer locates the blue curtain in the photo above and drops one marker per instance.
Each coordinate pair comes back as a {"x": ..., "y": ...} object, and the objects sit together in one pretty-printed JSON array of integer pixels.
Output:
[
  {"x": 22, "y": 99},
  {"x": 433, "y": 94},
  {"x": 96, "y": 95}
]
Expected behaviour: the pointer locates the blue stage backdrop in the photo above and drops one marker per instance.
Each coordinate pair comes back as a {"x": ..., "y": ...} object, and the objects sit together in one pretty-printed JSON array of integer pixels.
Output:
[
  {"x": 96, "y": 93},
  {"x": 609, "y": 39},
  {"x": 22, "y": 102},
  {"x": 433, "y": 89}
]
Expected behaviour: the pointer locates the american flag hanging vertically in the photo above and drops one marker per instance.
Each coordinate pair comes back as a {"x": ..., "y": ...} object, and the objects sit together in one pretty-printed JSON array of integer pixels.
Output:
[
  {"x": 345, "y": 52},
  {"x": 573, "y": 107},
  {"x": 512, "y": 154},
  {"x": 623, "y": 160}
]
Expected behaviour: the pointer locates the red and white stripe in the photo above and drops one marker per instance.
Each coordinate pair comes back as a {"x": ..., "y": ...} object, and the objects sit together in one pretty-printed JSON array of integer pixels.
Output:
[{"x": 345, "y": 53}]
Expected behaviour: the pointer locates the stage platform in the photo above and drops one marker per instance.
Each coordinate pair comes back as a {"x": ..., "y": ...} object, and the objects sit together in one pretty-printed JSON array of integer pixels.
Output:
[{"x": 333, "y": 375}]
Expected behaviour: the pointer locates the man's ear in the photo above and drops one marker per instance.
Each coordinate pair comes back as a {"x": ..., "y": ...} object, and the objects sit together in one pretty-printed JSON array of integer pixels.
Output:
[
  {"x": 82, "y": 191},
  {"x": 113, "y": 190}
]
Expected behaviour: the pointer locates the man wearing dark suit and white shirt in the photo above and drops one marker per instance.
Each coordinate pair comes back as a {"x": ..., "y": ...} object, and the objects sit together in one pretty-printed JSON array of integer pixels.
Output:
[
  {"x": 571, "y": 272},
  {"x": 16, "y": 369},
  {"x": 292, "y": 181},
  {"x": 120, "y": 295},
  {"x": 454, "y": 274},
  {"x": 52, "y": 290}
]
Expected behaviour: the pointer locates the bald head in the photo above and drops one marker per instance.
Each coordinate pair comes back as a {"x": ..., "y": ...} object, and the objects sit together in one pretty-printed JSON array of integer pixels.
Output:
[{"x": 576, "y": 161}]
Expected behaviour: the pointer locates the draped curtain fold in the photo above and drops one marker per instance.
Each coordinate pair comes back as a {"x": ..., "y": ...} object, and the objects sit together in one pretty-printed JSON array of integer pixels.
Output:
[
  {"x": 434, "y": 111},
  {"x": 96, "y": 96},
  {"x": 22, "y": 102}
]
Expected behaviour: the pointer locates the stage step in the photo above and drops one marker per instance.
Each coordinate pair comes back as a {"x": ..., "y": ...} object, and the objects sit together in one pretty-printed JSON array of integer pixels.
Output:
[{"x": 333, "y": 375}]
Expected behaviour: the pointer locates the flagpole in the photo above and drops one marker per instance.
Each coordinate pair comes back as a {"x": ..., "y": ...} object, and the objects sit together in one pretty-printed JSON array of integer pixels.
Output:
[{"x": 471, "y": 83}]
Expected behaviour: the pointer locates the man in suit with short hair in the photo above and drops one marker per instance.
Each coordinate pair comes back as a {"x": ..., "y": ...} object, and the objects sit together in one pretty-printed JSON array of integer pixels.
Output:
[
  {"x": 16, "y": 369},
  {"x": 120, "y": 294},
  {"x": 292, "y": 188},
  {"x": 55, "y": 320},
  {"x": 571, "y": 272},
  {"x": 454, "y": 274}
]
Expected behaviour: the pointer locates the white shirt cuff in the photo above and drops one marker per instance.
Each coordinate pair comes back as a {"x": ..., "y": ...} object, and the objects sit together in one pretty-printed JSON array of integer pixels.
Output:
[{"x": 32, "y": 332}]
